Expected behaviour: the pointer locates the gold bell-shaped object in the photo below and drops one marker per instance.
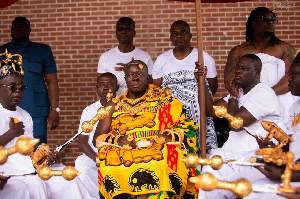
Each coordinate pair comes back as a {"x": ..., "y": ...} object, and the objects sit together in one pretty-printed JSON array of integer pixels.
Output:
[
  {"x": 102, "y": 113},
  {"x": 235, "y": 122},
  {"x": 192, "y": 160},
  {"x": 109, "y": 95},
  {"x": 24, "y": 146},
  {"x": 68, "y": 173},
  {"x": 208, "y": 182},
  {"x": 168, "y": 91}
]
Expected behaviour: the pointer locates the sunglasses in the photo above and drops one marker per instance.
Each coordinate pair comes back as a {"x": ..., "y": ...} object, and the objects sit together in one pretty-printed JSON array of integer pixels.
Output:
[
  {"x": 14, "y": 87},
  {"x": 126, "y": 29},
  {"x": 268, "y": 18}
]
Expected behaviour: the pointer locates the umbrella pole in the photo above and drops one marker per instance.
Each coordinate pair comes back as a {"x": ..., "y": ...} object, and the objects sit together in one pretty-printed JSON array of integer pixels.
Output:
[{"x": 201, "y": 82}]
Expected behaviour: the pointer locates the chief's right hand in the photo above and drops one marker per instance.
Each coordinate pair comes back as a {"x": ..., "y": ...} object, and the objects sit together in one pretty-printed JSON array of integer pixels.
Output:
[
  {"x": 17, "y": 129},
  {"x": 124, "y": 141}
]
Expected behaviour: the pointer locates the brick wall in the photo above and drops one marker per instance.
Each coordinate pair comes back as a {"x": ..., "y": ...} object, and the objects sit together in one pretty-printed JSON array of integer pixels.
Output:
[{"x": 79, "y": 31}]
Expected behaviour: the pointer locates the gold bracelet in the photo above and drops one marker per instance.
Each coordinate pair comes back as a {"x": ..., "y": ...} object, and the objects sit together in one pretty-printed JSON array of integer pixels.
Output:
[
  {"x": 180, "y": 134},
  {"x": 110, "y": 139},
  {"x": 129, "y": 138},
  {"x": 103, "y": 137},
  {"x": 159, "y": 140},
  {"x": 170, "y": 132},
  {"x": 116, "y": 139}
]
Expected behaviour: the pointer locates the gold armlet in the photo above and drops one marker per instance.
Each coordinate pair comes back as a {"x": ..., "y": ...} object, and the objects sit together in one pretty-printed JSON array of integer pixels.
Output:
[
  {"x": 168, "y": 131},
  {"x": 110, "y": 140},
  {"x": 180, "y": 134},
  {"x": 116, "y": 139},
  {"x": 159, "y": 140},
  {"x": 103, "y": 137},
  {"x": 129, "y": 138}
]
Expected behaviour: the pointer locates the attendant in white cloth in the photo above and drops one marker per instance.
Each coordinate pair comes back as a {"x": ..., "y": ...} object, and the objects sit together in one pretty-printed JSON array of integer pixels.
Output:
[
  {"x": 86, "y": 163},
  {"x": 275, "y": 54},
  {"x": 273, "y": 173},
  {"x": 113, "y": 61},
  {"x": 11, "y": 93},
  {"x": 175, "y": 68},
  {"x": 253, "y": 102}
]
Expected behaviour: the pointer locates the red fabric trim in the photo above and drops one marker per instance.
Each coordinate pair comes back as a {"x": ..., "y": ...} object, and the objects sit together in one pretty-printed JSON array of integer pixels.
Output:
[
  {"x": 6, "y": 3},
  {"x": 212, "y": 1}
]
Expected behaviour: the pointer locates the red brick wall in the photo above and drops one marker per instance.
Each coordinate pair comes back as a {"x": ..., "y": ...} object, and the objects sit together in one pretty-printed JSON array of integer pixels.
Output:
[{"x": 79, "y": 31}]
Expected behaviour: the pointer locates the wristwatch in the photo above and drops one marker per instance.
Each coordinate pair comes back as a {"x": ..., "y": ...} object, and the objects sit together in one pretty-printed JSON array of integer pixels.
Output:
[{"x": 57, "y": 109}]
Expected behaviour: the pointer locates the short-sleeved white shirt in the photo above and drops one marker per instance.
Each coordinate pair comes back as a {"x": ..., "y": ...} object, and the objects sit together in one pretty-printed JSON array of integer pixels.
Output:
[
  {"x": 108, "y": 61},
  {"x": 87, "y": 114},
  {"x": 262, "y": 103},
  {"x": 167, "y": 63}
]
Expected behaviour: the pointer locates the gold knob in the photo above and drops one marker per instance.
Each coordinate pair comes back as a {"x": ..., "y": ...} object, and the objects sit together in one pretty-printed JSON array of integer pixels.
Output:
[
  {"x": 68, "y": 173},
  {"x": 24, "y": 146},
  {"x": 192, "y": 160},
  {"x": 168, "y": 91},
  {"x": 109, "y": 95},
  {"x": 241, "y": 187},
  {"x": 235, "y": 122},
  {"x": 102, "y": 113}
]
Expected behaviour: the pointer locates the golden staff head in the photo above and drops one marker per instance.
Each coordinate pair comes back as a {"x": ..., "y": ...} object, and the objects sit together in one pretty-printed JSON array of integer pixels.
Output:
[
  {"x": 235, "y": 122},
  {"x": 208, "y": 182},
  {"x": 24, "y": 146},
  {"x": 68, "y": 173},
  {"x": 192, "y": 160}
]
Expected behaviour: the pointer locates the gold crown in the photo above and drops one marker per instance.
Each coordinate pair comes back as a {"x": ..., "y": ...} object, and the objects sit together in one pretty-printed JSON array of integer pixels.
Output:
[{"x": 13, "y": 63}]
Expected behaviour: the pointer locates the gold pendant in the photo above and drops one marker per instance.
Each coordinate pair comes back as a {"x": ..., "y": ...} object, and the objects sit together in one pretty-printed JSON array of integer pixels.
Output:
[{"x": 296, "y": 120}]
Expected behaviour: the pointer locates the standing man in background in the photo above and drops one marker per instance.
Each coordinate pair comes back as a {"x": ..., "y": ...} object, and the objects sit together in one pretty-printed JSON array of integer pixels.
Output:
[
  {"x": 40, "y": 69},
  {"x": 114, "y": 60}
]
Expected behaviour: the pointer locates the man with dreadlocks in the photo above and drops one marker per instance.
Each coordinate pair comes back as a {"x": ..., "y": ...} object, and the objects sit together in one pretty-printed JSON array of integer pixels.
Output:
[{"x": 276, "y": 55}]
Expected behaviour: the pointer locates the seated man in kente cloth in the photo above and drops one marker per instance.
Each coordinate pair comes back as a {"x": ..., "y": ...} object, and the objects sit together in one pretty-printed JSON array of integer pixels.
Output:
[{"x": 151, "y": 135}]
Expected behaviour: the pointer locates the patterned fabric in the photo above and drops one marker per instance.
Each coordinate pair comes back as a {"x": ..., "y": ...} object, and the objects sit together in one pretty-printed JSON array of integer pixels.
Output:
[
  {"x": 160, "y": 176},
  {"x": 185, "y": 88}
]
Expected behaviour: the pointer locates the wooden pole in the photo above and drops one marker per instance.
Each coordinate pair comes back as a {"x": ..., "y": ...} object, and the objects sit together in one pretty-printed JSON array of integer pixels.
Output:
[{"x": 201, "y": 82}]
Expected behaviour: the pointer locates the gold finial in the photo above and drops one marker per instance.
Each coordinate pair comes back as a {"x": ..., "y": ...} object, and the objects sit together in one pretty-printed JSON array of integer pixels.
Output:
[
  {"x": 291, "y": 166},
  {"x": 235, "y": 122},
  {"x": 192, "y": 160},
  {"x": 109, "y": 95},
  {"x": 241, "y": 188},
  {"x": 102, "y": 113},
  {"x": 168, "y": 91},
  {"x": 68, "y": 173},
  {"x": 24, "y": 146},
  {"x": 276, "y": 133}
]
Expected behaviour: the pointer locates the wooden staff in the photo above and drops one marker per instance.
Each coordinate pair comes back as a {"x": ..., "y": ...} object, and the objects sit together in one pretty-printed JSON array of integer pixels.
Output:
[{"x": 201, "y": 82}]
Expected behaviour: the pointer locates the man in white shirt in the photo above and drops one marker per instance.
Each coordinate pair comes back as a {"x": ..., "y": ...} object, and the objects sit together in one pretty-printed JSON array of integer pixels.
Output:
[
  {"x": 175, "y": 68},
  {"x": 11, "y": 93},
  {"x": 253, "y": 102},
  {"x": 86, "y": 163},
  {"x": 113, "y": 61}
]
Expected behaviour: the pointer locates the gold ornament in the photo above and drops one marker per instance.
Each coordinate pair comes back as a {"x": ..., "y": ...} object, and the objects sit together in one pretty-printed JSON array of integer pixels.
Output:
[
  {"x": 109, "y": 95},
  {"x": 102, "y": 113},
  {"x": 68, "y": 173},
  {"x": 276, "y": 133},
  {"x": 235, "y": 122},
  {"x": 296, "y": 120},
  {"x": 291, "y": 166},
  {"x": 241, "y": 187},
  {"x": 168, "y": 91},
  {"x": 192, "y": 160},
  {"x": 24, "y": 146},
  {"x": 274, "y": 155},
  {"x": 8, "y": 58}
]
